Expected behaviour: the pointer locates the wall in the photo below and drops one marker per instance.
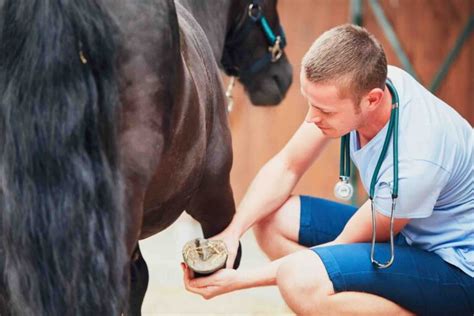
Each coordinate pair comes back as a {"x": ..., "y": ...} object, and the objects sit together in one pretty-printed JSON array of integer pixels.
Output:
[{"x": 427, "y": 29}]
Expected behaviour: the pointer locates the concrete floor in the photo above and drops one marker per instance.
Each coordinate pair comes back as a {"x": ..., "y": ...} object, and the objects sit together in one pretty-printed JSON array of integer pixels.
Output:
[{"x": 166, "y": 294}]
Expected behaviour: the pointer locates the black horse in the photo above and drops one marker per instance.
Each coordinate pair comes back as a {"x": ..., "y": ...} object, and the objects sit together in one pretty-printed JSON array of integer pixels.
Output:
[{"x": 112, "y": 123}]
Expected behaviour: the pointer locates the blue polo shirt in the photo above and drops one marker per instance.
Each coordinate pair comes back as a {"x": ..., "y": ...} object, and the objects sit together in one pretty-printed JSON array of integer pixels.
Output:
[{"x": 436, "y": 173}]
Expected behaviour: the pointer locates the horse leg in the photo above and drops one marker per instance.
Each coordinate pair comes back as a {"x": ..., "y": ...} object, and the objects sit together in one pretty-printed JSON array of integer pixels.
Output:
[
  {"x": 213, "y": 207},
  {"x": 138, "y": 277},
  {"x": 4, "y": 311},
  {"x": 3, "y": 306},
  {"x": 3, "y": 290},
  {"x": 138, "y": 282}
]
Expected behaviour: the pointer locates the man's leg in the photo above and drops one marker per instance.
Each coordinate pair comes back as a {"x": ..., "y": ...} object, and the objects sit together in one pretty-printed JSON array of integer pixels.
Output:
[
  {"x": 305, "y": 286},
  {"x": 277, "y": 234},
  {"x": 302, "y": 221}
]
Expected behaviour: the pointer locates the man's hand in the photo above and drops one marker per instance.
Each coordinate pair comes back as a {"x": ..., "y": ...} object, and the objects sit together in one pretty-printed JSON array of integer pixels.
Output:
[
  {"x": 232, "y": 243},
  {"x": 222, "y": 281}
]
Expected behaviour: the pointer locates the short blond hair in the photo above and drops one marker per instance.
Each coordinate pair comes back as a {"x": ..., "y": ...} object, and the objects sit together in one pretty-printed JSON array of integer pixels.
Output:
[{"x": 348, "y": 56}]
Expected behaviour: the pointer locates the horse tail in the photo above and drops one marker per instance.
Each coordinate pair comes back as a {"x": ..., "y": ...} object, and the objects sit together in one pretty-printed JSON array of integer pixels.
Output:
[{"x": 62, "y": 218}]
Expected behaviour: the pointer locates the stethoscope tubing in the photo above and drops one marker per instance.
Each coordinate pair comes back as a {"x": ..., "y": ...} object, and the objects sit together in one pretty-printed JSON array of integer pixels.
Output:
[{"x": 392, "y": 130}]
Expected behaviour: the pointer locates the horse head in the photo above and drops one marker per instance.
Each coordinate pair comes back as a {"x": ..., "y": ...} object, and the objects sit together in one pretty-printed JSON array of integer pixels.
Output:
[{"x": 254, "y": 51}]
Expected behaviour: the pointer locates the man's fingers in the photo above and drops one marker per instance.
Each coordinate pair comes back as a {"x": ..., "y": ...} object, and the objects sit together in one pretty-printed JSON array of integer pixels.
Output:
[
  {"x": 186, "y": 277},
  {"x": 230, "y": 261},
  {"x": 201, "y": 282},
  {"x": 203, "y": 291},
  {"x": 195, "y": 285}
]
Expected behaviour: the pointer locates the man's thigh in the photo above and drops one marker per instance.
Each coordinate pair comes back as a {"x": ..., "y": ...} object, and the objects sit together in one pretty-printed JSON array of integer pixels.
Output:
[
  {"x": 320, "y": 220},
  {"x": 418, "y": 280}
]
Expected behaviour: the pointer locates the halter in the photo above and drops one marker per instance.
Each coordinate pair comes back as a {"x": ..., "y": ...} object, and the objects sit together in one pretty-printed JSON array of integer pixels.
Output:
[{"x": 253, "y": 16}]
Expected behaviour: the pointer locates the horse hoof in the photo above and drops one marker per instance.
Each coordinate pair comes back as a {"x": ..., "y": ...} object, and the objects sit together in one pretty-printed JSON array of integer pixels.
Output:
[{"x": 204, "y": 256}]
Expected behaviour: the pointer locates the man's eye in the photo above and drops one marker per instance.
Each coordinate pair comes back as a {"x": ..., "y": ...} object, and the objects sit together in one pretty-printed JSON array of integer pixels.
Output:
[{"x": 320, "y": 110}]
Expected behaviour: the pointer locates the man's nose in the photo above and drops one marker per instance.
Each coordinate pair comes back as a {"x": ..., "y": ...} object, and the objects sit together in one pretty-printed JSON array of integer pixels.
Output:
[{"x": 312, "y": 117}]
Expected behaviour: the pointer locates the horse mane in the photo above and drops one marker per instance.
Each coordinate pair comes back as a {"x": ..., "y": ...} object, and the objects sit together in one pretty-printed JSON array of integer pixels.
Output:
[{"x": 62, "y": 218}]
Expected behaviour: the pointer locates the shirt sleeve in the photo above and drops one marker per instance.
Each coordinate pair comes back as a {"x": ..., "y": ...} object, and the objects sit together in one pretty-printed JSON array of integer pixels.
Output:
[{"x": 420, "y": 183}]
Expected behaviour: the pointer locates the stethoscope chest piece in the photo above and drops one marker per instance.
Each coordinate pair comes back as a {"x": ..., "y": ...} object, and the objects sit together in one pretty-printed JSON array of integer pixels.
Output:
[{"x": 343, "y": 190}]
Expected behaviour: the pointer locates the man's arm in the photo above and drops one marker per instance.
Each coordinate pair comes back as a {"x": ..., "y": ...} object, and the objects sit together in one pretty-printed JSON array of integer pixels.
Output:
[
  {"x": 277, "y": 178},
  {"x": 229, "y": 280},
  {"x": 359, "y": 227}
]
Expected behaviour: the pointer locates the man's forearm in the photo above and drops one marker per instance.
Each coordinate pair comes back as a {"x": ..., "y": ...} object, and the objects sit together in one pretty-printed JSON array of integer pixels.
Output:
[
  {"x": 265, "y": 275},
  {"x": 261, "y": 276},
  {"x": 276, "y": 180},
  {"x": 268, "y": 191},
  {"x": 359, "y": 227}
]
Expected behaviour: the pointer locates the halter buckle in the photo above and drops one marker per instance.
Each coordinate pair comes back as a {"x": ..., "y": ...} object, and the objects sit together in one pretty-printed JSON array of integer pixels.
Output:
[
  {"x": 276, "y": 50},
  {"x": 255, "y": 11}
]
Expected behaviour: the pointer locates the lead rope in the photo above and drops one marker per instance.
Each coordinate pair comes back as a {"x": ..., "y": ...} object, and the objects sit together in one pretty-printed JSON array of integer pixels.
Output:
[{"x": 229, "y": 96}]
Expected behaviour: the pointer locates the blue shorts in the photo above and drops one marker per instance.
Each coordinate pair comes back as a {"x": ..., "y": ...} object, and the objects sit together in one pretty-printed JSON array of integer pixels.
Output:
[{"x": 418, "y": 280}]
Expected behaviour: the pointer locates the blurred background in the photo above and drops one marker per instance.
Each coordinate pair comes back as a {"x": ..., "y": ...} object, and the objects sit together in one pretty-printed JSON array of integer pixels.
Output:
[{"x": 432, "y": 39}]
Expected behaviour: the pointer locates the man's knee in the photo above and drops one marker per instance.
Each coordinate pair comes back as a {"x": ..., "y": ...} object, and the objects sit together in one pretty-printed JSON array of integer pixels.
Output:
[
  {"x": 284, "y": 221},
  {"x": 303, "y": 282}
]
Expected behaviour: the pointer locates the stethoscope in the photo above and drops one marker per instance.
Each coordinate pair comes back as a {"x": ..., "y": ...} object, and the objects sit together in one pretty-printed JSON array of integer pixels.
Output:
[{"x": 344, "y": 190}]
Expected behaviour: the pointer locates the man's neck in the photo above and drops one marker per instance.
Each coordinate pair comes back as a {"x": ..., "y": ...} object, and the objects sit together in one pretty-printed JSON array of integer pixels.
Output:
[{"x": 376, "y": 120}]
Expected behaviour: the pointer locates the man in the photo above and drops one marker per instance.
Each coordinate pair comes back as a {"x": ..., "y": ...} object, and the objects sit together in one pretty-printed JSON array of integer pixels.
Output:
[{"x": 343, "y": 78}]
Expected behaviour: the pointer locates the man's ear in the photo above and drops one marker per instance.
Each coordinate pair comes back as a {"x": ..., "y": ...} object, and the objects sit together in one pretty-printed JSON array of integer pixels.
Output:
[{"x": 374, "y": 98}]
